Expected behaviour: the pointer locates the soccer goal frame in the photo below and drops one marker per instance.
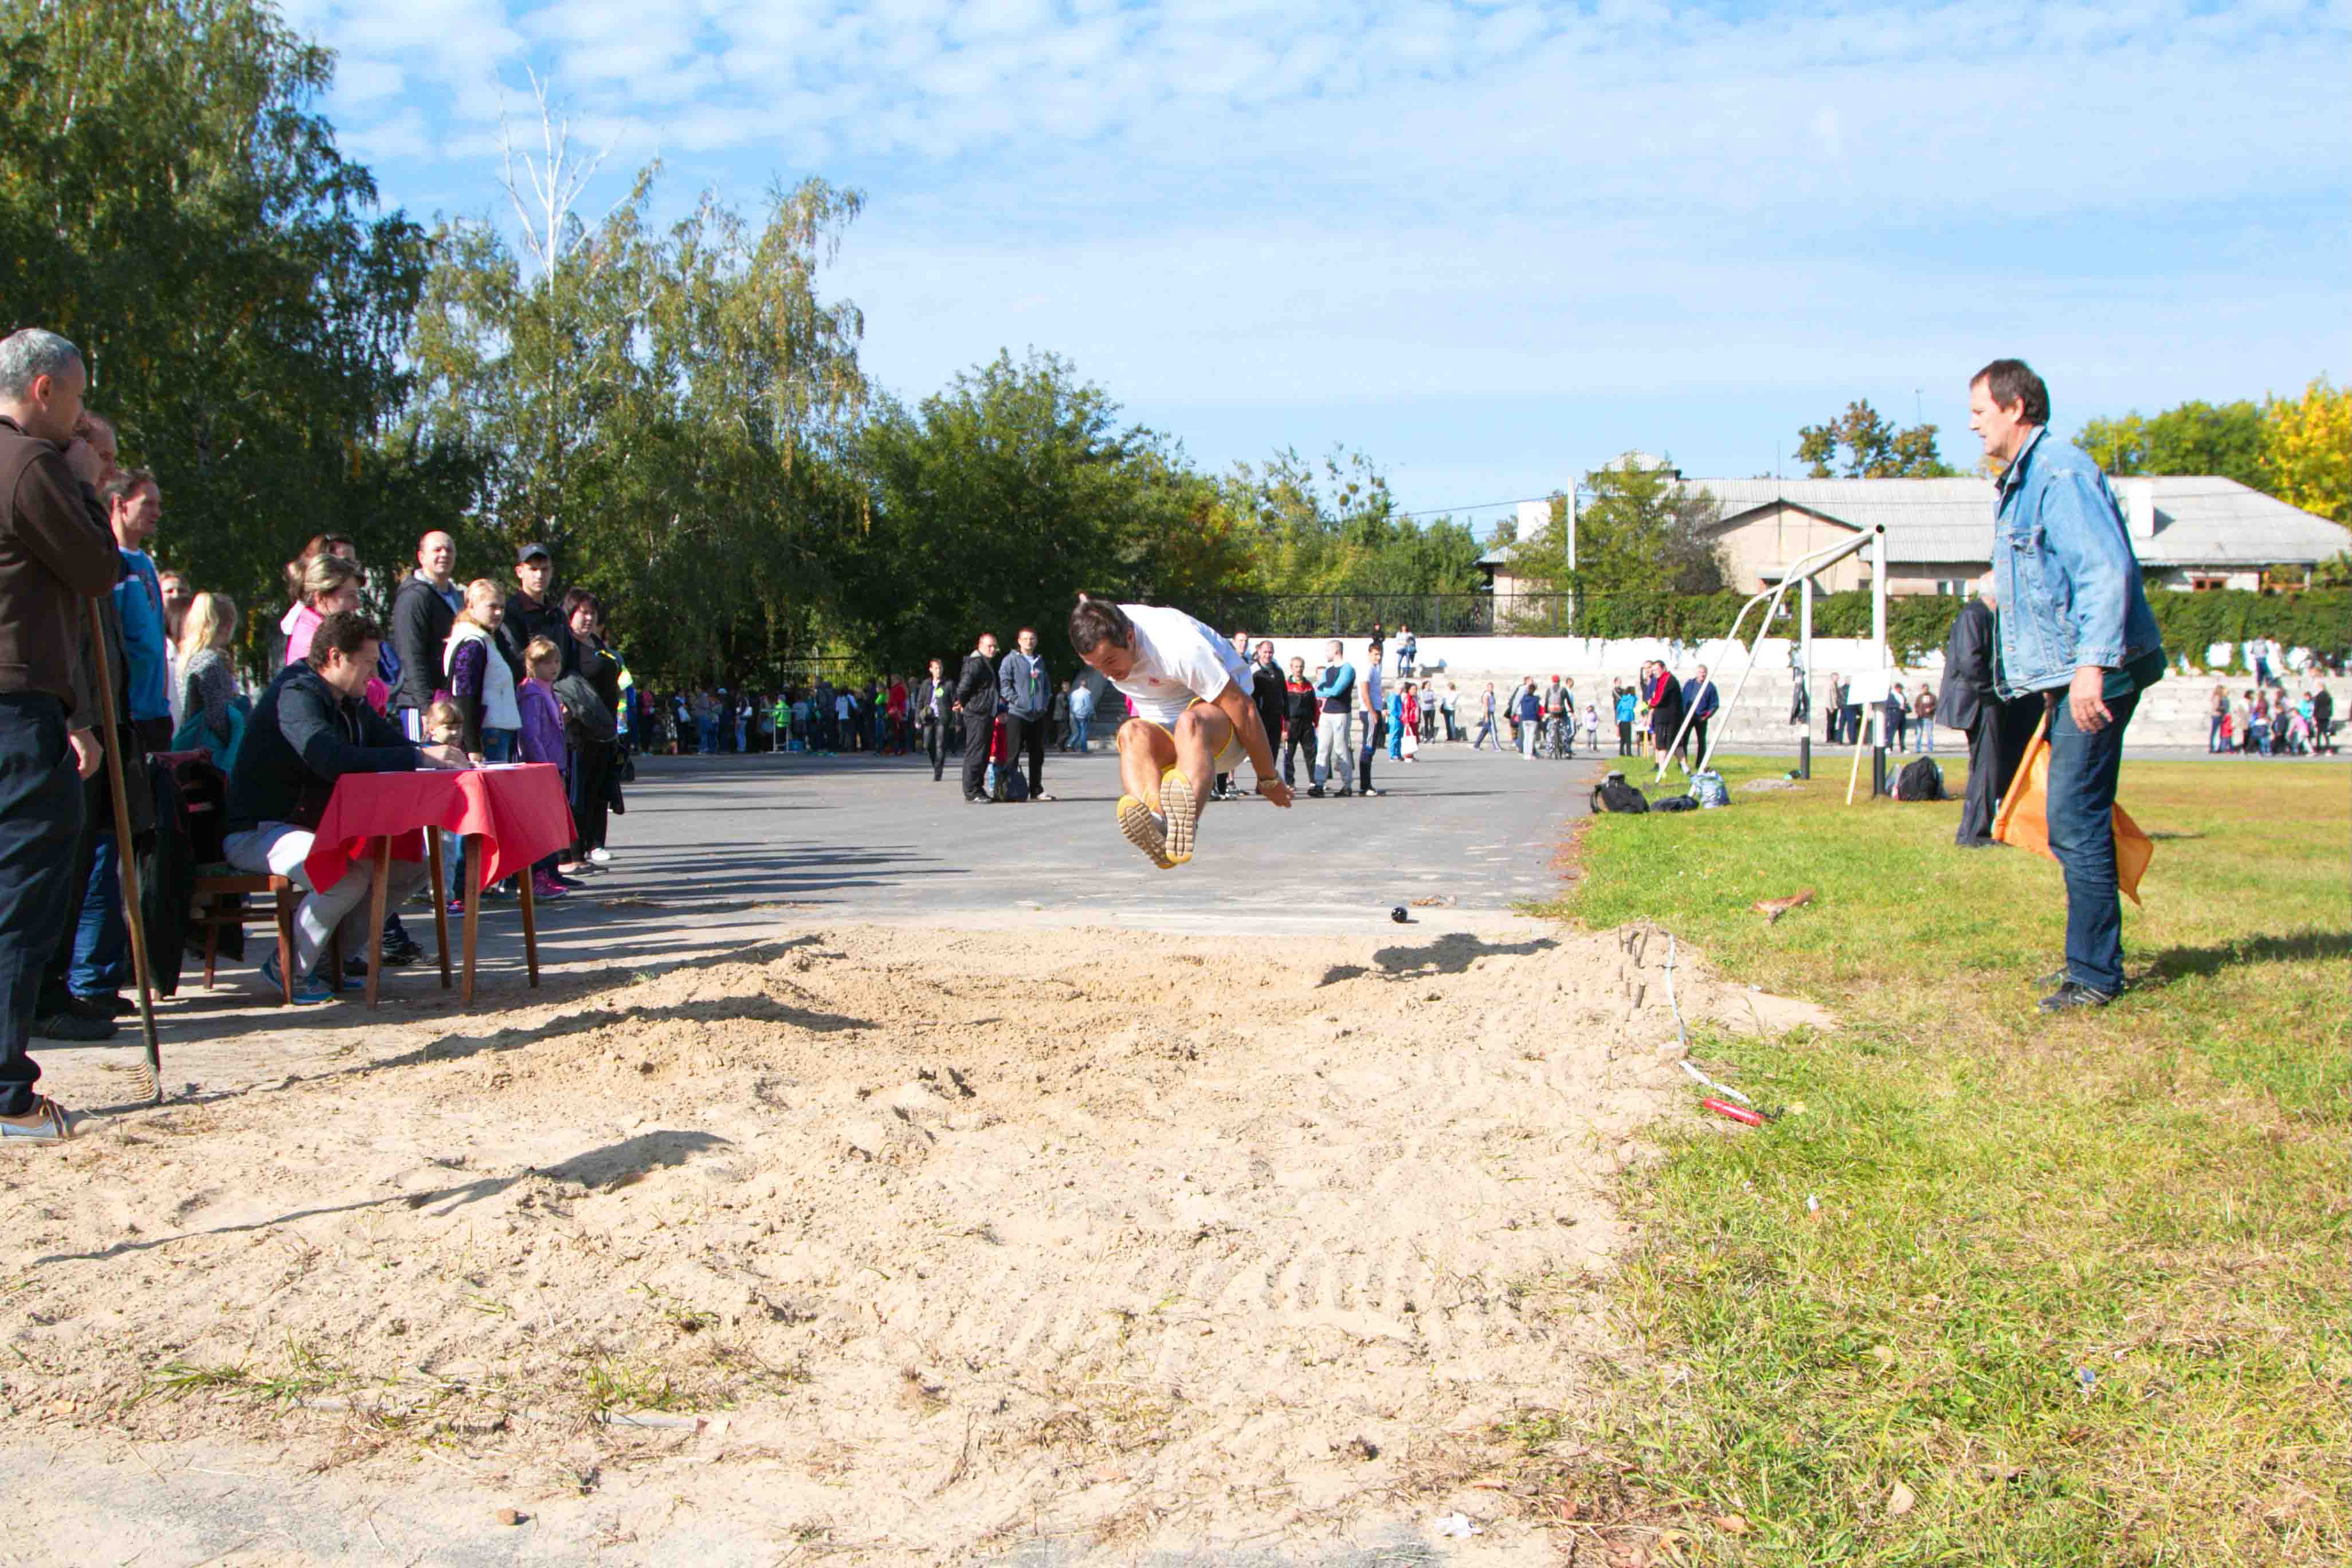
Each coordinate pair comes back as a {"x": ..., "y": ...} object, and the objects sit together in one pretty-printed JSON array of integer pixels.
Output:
[{"x": 1800, "y": 575}]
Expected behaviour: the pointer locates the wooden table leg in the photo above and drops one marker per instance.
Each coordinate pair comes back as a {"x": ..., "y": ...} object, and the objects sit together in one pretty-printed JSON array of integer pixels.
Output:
[
  {"x": 473, "y": 911},
  {"x": 529, "y": 928},
  {"x": 382, "y": 858},
  {"x": 440, "y": 901}
]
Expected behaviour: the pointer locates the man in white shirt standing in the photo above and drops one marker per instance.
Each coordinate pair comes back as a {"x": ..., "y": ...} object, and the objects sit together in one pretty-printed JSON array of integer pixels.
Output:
[{"x": 1194, "y": 719}]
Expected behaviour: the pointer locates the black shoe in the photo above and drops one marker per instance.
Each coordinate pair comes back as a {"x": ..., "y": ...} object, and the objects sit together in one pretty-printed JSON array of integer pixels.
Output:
[
  {"x": 978, "y": 800},
  {"x": 103, "y": 1006},
  {"x": 72, "y": 1026},
  {"x": 355, "y": 968},
  {"x": 396, "y": 954},
  {"x": 567, "y": 882},
  {"x": 2071, "y": 996},
  {"x": 2057, "y": 980}
]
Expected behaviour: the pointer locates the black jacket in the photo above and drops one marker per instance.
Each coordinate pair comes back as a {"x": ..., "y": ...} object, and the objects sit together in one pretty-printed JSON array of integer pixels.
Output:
[
  {"x": 975, "y": 686},
  {"x": 1271, "y": 695},
  {"x": 524, "y": 621},
  {"x": 1301, "y": 703},
  {"x": 303, "y": 736},
  {"x": 919, "y": 703},
  {"x": 1967, "y": 690},
  {"x": 421, "y": 619}
]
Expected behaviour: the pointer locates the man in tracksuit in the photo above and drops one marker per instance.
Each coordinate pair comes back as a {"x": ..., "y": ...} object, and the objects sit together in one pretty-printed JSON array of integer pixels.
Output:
[{"x": 1336, "y": 689}]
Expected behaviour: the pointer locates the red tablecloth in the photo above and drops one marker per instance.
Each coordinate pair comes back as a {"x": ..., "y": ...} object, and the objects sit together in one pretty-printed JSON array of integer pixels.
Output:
[{"x": 519, "y": 812}]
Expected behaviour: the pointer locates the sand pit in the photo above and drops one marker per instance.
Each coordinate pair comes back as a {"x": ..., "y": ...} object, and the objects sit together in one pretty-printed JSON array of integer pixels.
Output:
[{"x": 892, "y": 1245}]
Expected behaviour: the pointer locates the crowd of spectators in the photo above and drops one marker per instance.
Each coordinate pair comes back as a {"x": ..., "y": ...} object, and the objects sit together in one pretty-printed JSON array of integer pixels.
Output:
[{"x": 458, "y": 674}]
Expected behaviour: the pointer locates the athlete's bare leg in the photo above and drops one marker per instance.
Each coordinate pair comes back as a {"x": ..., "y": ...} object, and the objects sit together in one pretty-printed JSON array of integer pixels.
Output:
[
  {"x": 1145, "y": 751},
  {"x": 1202, "y": 732}
]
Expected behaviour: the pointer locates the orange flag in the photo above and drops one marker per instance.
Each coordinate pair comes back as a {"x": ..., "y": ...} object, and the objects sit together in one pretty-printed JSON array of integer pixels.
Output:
[{"x": 2024, "y": 816}]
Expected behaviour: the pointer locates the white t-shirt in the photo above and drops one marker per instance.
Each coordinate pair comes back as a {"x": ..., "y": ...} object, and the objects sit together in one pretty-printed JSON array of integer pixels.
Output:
[{"x": 1176, "y": 659}]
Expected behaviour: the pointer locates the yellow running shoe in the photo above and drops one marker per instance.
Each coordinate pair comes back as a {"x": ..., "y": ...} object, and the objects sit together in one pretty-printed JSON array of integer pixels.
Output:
[
  {"x": 1144, "y": 831},
  {"x": 1184, "y": 809}
]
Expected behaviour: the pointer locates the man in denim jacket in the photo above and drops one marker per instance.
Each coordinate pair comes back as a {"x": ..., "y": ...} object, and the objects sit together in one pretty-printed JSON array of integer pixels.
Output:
[{"x": 2074, "y": 627}]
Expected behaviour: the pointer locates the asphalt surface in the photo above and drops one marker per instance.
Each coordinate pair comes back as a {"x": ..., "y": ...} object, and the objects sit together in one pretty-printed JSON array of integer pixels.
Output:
[{"x": 867, "y": 837}]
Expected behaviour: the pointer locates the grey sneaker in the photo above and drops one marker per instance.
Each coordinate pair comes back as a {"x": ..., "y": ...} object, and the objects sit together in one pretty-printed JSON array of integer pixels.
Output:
[{"x": 46, "y": 1122}]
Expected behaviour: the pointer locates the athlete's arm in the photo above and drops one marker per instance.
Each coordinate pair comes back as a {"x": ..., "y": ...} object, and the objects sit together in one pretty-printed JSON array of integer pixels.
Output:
[{"x": 1243, "y": 713}]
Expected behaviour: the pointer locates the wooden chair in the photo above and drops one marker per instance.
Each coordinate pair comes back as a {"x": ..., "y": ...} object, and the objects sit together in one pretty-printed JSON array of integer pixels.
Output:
[{"x": 218, "y": 884}]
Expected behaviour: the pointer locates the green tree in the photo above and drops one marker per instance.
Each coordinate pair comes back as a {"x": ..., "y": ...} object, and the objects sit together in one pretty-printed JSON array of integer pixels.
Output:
[
  {"x": 1333, "y": 528},
  {"x": 995, "y": 502},
  {"x": 668, "y": 411},
  {"x": 1639, "y": 530},
  {"x": 170, "y": 200},
  {"x": 1873, "y": 448},
  {"x": 2191, "y": 438}
]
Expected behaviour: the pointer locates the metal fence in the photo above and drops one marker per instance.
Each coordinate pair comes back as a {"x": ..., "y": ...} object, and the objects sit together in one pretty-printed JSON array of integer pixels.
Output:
[{"x": 1429, "y": 614}]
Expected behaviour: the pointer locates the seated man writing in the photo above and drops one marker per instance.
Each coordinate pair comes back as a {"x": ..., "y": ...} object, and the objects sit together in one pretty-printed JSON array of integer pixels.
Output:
[{"x": 312, "y": 726}]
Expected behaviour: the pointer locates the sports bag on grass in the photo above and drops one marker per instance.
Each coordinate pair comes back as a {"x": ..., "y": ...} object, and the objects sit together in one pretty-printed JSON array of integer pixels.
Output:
[
  {"x": 1613, "y": 794},
  {"x": 1707, "y": 788},
  {"x": 1920, "y": 780}
]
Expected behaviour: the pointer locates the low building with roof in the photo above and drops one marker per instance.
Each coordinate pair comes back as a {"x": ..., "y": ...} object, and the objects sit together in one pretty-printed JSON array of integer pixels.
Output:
[{"x": 2190, "y": 533}]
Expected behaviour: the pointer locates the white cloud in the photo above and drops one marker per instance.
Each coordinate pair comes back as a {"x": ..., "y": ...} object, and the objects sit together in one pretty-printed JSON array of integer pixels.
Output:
[{"x": 1403, "y": 197}]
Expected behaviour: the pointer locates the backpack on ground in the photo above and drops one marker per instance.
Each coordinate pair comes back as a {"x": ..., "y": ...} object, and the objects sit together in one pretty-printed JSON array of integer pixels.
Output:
[
  {"x": 1920, "y": 780},
  {"x": 1012, "y": 785},
  {"x": 1707, "y": 788},
  {"x": 1674, "y": 803},
  {"x": 1613, "y": 794}
]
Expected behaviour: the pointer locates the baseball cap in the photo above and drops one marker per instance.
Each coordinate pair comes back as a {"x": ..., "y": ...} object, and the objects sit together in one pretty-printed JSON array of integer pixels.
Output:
[{"x": 532, "y": 553}]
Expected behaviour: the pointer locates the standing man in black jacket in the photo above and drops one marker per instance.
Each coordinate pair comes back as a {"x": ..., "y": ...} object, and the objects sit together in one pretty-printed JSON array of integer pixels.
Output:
[
  {"x": 422, "y": 610},
  {"x": 975, "y": 699},
  {"x": 1269, "y": 694},
  {"x": 57, "y": 555},
  {"x": 1028, "y": 697},
  {"x": 933, "y": 704},
  {"x": 1998, "y": 732},
  {"x": 533, "y": 611}
]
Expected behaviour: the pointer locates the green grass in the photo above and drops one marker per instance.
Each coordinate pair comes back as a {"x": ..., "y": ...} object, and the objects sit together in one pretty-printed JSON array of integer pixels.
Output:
[{"x": 2154, "y": 1194}]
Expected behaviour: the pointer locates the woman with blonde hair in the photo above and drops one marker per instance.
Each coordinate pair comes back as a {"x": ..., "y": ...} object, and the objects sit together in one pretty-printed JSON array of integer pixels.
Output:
[
  {"x": 208, "y": 680},
  {"x": 479, "y": 681}
]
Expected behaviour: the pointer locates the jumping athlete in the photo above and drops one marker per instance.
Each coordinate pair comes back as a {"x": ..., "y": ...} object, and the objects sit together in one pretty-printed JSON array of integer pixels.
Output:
[{"x": 1194, "y": 719}]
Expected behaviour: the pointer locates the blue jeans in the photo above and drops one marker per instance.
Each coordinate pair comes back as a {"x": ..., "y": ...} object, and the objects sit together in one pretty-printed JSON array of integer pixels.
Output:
[
  {"x": 40, "y": 823},
  {"x": 2082, "y": 804},
  {"x": 101, "y": 954},
  {"x": 1079, "y": 722}
]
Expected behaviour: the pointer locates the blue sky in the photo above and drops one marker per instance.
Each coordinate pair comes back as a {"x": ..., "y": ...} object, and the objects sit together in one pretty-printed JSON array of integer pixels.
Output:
[{"x": 1491, "y": 244}]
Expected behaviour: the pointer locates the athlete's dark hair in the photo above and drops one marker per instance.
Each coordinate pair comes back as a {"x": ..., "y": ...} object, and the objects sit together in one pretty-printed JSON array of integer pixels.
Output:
[
  {"x": 1095, "y": 622},
  {"x": 2013, "y": 381}
]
